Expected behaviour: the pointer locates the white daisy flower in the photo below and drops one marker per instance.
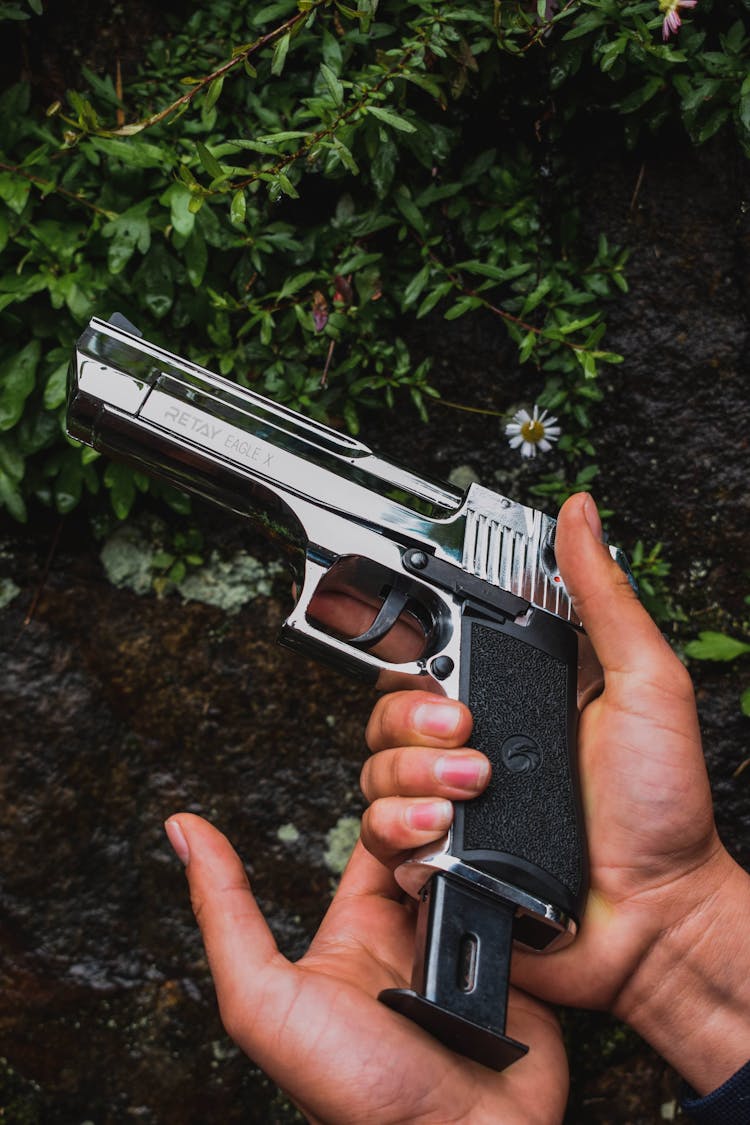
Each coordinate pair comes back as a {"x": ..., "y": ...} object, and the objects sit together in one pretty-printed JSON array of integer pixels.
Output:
[{"x": 532, "y": 432}]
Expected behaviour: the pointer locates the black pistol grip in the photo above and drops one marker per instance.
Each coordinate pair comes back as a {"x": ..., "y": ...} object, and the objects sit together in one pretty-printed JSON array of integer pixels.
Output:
[{"x": 519, "y": 681}]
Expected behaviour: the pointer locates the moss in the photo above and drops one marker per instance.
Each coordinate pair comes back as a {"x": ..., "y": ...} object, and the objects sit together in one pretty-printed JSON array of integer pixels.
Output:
[
  {"x": 20, "y": 1100},
  {"x": 8, "y": 591},
  {"x": 288, "y": 834},
  {"x": 130, "y": 553},
  {"x": 230, "y": 583},
  {"x": 340, "y": 843},
  {"x": 127, "y": 558}
]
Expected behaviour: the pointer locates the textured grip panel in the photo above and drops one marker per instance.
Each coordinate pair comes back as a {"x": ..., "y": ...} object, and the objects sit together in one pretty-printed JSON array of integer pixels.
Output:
[{"x": 527, "y": 824}]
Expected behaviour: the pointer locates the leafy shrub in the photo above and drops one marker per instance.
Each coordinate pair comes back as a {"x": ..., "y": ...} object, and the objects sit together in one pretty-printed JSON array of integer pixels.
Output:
[{"x": 325, "y": 176}]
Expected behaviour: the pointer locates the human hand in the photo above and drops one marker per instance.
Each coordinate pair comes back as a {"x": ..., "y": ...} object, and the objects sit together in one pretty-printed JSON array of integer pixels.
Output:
[
  {"x": 316, "y": 1026},
  {"x": 663, "y": 941}
]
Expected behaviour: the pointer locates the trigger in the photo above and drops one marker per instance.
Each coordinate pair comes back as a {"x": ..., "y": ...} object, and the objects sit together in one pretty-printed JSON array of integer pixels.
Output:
[{"x": 388, "y": 615}]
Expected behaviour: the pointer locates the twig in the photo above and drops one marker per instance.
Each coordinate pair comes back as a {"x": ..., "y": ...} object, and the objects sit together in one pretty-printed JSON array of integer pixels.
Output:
[
  {"x": 43, "y": 580},
  {"x": 18, "y": 171},
  {"x": 120, "y": 113},
  {"x": 637, "y": 188},
  {"x": 230, "y": 64},
  {"x": 324, "y": 377},
  {"x": 470, "y": 409}
]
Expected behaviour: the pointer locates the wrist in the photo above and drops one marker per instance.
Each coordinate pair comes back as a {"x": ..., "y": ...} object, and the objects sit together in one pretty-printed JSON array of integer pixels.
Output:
[{"x": 689, "y": 996}]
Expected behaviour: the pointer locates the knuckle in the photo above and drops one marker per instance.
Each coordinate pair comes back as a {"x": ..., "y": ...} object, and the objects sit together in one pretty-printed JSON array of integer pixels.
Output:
[
  {"x": 382, "y": 829},
  {"x": 400, "y": 772},
  {"x": 380, "y": 724}
]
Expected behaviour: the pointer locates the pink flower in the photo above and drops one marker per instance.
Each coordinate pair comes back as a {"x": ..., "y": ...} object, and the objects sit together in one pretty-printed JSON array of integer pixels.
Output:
[
  {"x": 319, "y": 311},
  {"x": 672, "y": 21}
]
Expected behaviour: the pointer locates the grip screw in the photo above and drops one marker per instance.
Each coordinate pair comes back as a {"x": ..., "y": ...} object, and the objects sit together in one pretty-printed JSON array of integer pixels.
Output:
[{"x": 441, "y": 667}]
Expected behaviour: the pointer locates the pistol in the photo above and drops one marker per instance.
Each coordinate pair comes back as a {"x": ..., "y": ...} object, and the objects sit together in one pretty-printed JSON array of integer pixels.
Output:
[{"x": 474, "y": 574}]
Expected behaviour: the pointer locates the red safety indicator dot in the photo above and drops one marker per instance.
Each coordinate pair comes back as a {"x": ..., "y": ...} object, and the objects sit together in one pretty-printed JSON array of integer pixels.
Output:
[{"x": 557, "y": 578}]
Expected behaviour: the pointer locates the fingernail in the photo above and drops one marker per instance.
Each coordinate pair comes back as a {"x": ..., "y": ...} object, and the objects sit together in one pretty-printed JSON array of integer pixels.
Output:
[
  {"x": 462, "y": 772},
  {"x": 176, "y": 837},
  {"x": 430, "y": 815},
  {"x": 591, "y": 513},
  {"x": 441, "y": 719}
]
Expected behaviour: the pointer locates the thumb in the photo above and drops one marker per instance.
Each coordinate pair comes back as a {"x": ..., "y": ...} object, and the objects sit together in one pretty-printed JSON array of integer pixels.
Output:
[
  {"x": 623, "y": 635},
  {"x": 251, "y": 977}
]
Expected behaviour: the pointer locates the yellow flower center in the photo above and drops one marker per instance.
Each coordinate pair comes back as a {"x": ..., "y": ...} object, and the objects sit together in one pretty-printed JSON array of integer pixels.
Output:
[
  {"x": 532, "y": 431},
  {"x": 668, "y": 5}
]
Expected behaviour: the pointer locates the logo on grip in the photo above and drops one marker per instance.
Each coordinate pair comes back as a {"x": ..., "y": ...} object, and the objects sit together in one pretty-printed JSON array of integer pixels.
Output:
[{"x": 520, "y": 754}]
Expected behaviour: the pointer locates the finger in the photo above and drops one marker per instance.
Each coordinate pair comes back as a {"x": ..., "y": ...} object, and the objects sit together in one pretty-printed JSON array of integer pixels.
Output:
[
  {"x": 624, "y": 636},
  {"x": 245, "y": 963},
  {"x": 347, "y": 616},
  {"x": 417, "y": 771},
  {"x": 394, "y": 825},
  {"x": 417, "y": 718},
  {"x": 365, "y": 875}
]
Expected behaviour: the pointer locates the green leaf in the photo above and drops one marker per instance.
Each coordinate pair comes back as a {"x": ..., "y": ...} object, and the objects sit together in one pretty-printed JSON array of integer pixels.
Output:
[
  {"x": 383, "y": 167},
  {"x": 409, "y": 209},
  {"x": 390, "y": 118},
  {"x": 527, "y": 346},
  {"x": 119, "y": 480},
  {"x": 162, "y": 560},
  {"x": 280, "y": 52},
  {"x": 209, "y": 162},
  {"x": 415, "y": 286},
  {"x": 464, "y": 305},
  {"x": 287, "y": 186},
  {"x": 17, "y": 377},
  {"x": 153, "y": 282},
  {"x": 14, "y": 190},
  {"x": 135, "y": 153},
  {"x": 588, "y": 23},
  {"x": 640, "y": 96},
  {"x": 238, "y": 209},
  {"x": 214, "y": 92},
  {"x": 196, "y": 258},
  {"x": 345, "y": 156},
  {"x": 56, "y": 387},
  {"x": 716, "y": 646},
  {"x": 294, "y": 284},
  {"x": 745, "y": 702},
  {"x": 496, "y": 273},
  {"x": 129, "y": 232},
  {"x": 744, "y": 110},
  {"x": 432, "y": 298},
  {"x": 335, "y": 89},
  {"x": 537, "y": 295},
  {"x": 178, "y": 197},
  {"x": 11, "y": 498}
]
